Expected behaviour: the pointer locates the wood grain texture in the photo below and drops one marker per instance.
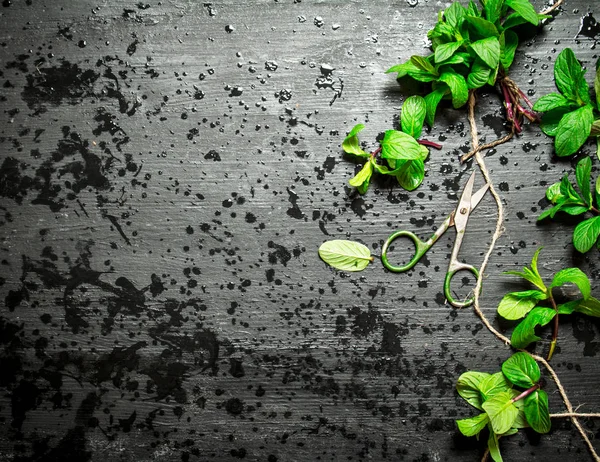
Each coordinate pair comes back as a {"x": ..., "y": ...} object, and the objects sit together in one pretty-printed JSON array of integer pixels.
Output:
[{"x": 169, "y": 170}]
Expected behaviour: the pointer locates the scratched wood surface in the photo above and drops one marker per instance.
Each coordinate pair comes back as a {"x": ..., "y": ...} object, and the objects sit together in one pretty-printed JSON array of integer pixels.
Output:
[{"x": 168, "y": 172}]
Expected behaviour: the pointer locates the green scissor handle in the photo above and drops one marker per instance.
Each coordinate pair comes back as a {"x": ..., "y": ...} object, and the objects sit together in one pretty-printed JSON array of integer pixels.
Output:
[
  {"x": 420, "y": 248},
  {"x": 454, "y": 268}
]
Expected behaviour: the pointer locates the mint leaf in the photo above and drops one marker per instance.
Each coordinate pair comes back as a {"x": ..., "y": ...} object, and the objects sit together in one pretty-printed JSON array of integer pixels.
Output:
[
  {"x": 532, "y": 275},
  {"x": 553, "y": 193},
  {"x": 494, "y": 384},
  {"x": 411, "y": 177},
  {"x": 501, "y": 411},
  {"x": 509, "y": 41},
  {"x": 551, "y": 101},
  {"x": 481, "y": 27},
  {"x": 572, "y": 131},
  {"x": 524, "y": 333},
  {"x": 493, "y": 446},
  {"x": 399, "y": 145},
  {"x": 595, "y": 130},
  {"x": 467, "y": 387},
  {"x": 454, "y": 14},
  {"x": 512, "y": 308},
  {"x": 402, "y": 69},
  {"x": 423, "y": 64},
  {"x": 479, "y": 75},
  {"x": 589, "y": 307},
  {"x": 586, "y": 233},
  {"x": 362, "y": 177},
  {"x": 431, "y": 102},
  {"x": 597, "y": 83},
  {"x": 567, "y": 73},
  {"x": 345, "y": 255},
  {"x": 569, "y": 307},
  {"x": 473, "y": 425},
  {"x": 472, "y": 9},
  {"x": 522, "y": 370},
  {"x": 513, "y": 20},
  {"x": 458, "y": 88},
  {"x": 568, "y": 191},
  {"x": 552, "y": 118},
  {"x": 351, "y": 144},
  {"x": 413, "y": 116},
  {"x": 488, "y": 49},
  {"x": 582, "y": 173},
  {"x": 536, "y": 411},
  {"x": 525, "y": 9},
  {"x": 445, "y": 51},
  {"x": 492, "y": 10}
]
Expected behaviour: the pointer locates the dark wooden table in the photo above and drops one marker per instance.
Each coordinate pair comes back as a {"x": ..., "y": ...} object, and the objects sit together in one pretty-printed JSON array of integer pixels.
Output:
[{"x": 168, "y": 172}]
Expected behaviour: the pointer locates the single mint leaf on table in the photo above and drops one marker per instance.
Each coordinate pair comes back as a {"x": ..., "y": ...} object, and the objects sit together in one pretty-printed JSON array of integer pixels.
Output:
[
  {"x": 351, "y": 144},
  {"x": 513, "y": 308},
  {"x": 586, "y": 234},
  {"x": 412, "y": 116},
  {"x": 501, "y": 411},
  {"x": 582, "y": 173},
  {"x": 467, "y": 387},
  {"x": 573, "y": 130},
  {"x": 522, "y": 370},
  {"x": 399, "y": 145},
  {"x": 345, "y": 255},
  {"x": 473, "y": 425},
  {"x": 524, "y": 333},
  {"x": 536, "y": 411}
]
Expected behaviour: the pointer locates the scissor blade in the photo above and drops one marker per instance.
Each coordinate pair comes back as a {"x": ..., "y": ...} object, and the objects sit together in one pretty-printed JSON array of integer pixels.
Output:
[
  {"x": 461, "y": 214},
  {"x": 475, "y": 200}
]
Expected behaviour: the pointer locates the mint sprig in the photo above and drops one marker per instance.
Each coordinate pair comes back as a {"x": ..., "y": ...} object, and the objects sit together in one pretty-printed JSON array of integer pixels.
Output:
[
  {"x": 566, "y": 199},
  {"x": 526, "y": 305},
  {"x": 473, "y": 47},
  {"x": 570, "y": 116},
  {"x": 401, "y": 153},
  {"x": 506, "y": 409}
]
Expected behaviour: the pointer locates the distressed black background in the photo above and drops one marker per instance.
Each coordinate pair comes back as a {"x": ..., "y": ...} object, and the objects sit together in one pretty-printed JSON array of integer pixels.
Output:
[{"x": 169, "y": 170}]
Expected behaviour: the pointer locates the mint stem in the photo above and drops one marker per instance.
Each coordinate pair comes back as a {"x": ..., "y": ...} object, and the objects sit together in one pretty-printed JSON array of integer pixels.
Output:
[
  {"x": 509, "y": 108},
  {"x": 431, "y": 144},
  {"x": 524, "y": 96},
  {"x": 526, "y": 393},
  {"x": 532, "y": 116},
  {"x": 377, "y": 151}
]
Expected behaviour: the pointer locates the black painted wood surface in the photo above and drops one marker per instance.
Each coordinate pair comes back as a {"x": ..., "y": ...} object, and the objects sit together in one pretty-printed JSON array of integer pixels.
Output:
[{"x": 169, "y": 170}]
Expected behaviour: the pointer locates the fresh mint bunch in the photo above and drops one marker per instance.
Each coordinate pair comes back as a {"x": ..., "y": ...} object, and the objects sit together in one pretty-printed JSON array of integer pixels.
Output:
[
  {"x": 531, "y": 305},
  {"x": 402, "y": 152},
  {"x": 570, "y": 116},
  {"x": 505, "y": 409},
  {"x": 566, "y": 199},
  {"x": 473, "y": 47}
]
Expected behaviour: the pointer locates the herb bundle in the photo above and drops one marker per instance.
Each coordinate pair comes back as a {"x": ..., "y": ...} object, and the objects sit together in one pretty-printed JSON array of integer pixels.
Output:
[
  {"x": 566, "y": 199},
  {"x": 473, "y": 47},
  {"x": 570, "y": 116},
  {"x": 402, "y": 151},
  {"x": 505, "y": 409},
  {"x": 525, "y": 304}
]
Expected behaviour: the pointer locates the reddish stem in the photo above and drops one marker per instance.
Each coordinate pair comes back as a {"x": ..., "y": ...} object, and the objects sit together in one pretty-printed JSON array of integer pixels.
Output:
[
  {"x": 526, "y": 393},
  {"x": 509, "y": 108},
  {"x": 524, "y": 96},
  {"x": 431, "y": 144},
  {"x": 529, "y": 114},
  {"x": 377, "y": 151}
]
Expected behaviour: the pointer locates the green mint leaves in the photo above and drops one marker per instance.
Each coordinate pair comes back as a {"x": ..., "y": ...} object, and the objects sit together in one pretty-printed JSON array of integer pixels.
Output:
[
  {"x": 471, "y": 47},
  {"x": 526, "y": 305},
  {"x": 570, "y": 116},
  {"x": 565, "y": 198},
  {"x": 505, "y": 409},
  {"x": 402, "y": 153},
  {"x": 345, "y": 255}
]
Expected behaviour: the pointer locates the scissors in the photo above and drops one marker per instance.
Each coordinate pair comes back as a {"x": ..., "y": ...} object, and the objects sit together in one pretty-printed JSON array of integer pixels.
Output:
[{"x": 458, "y": 218}]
